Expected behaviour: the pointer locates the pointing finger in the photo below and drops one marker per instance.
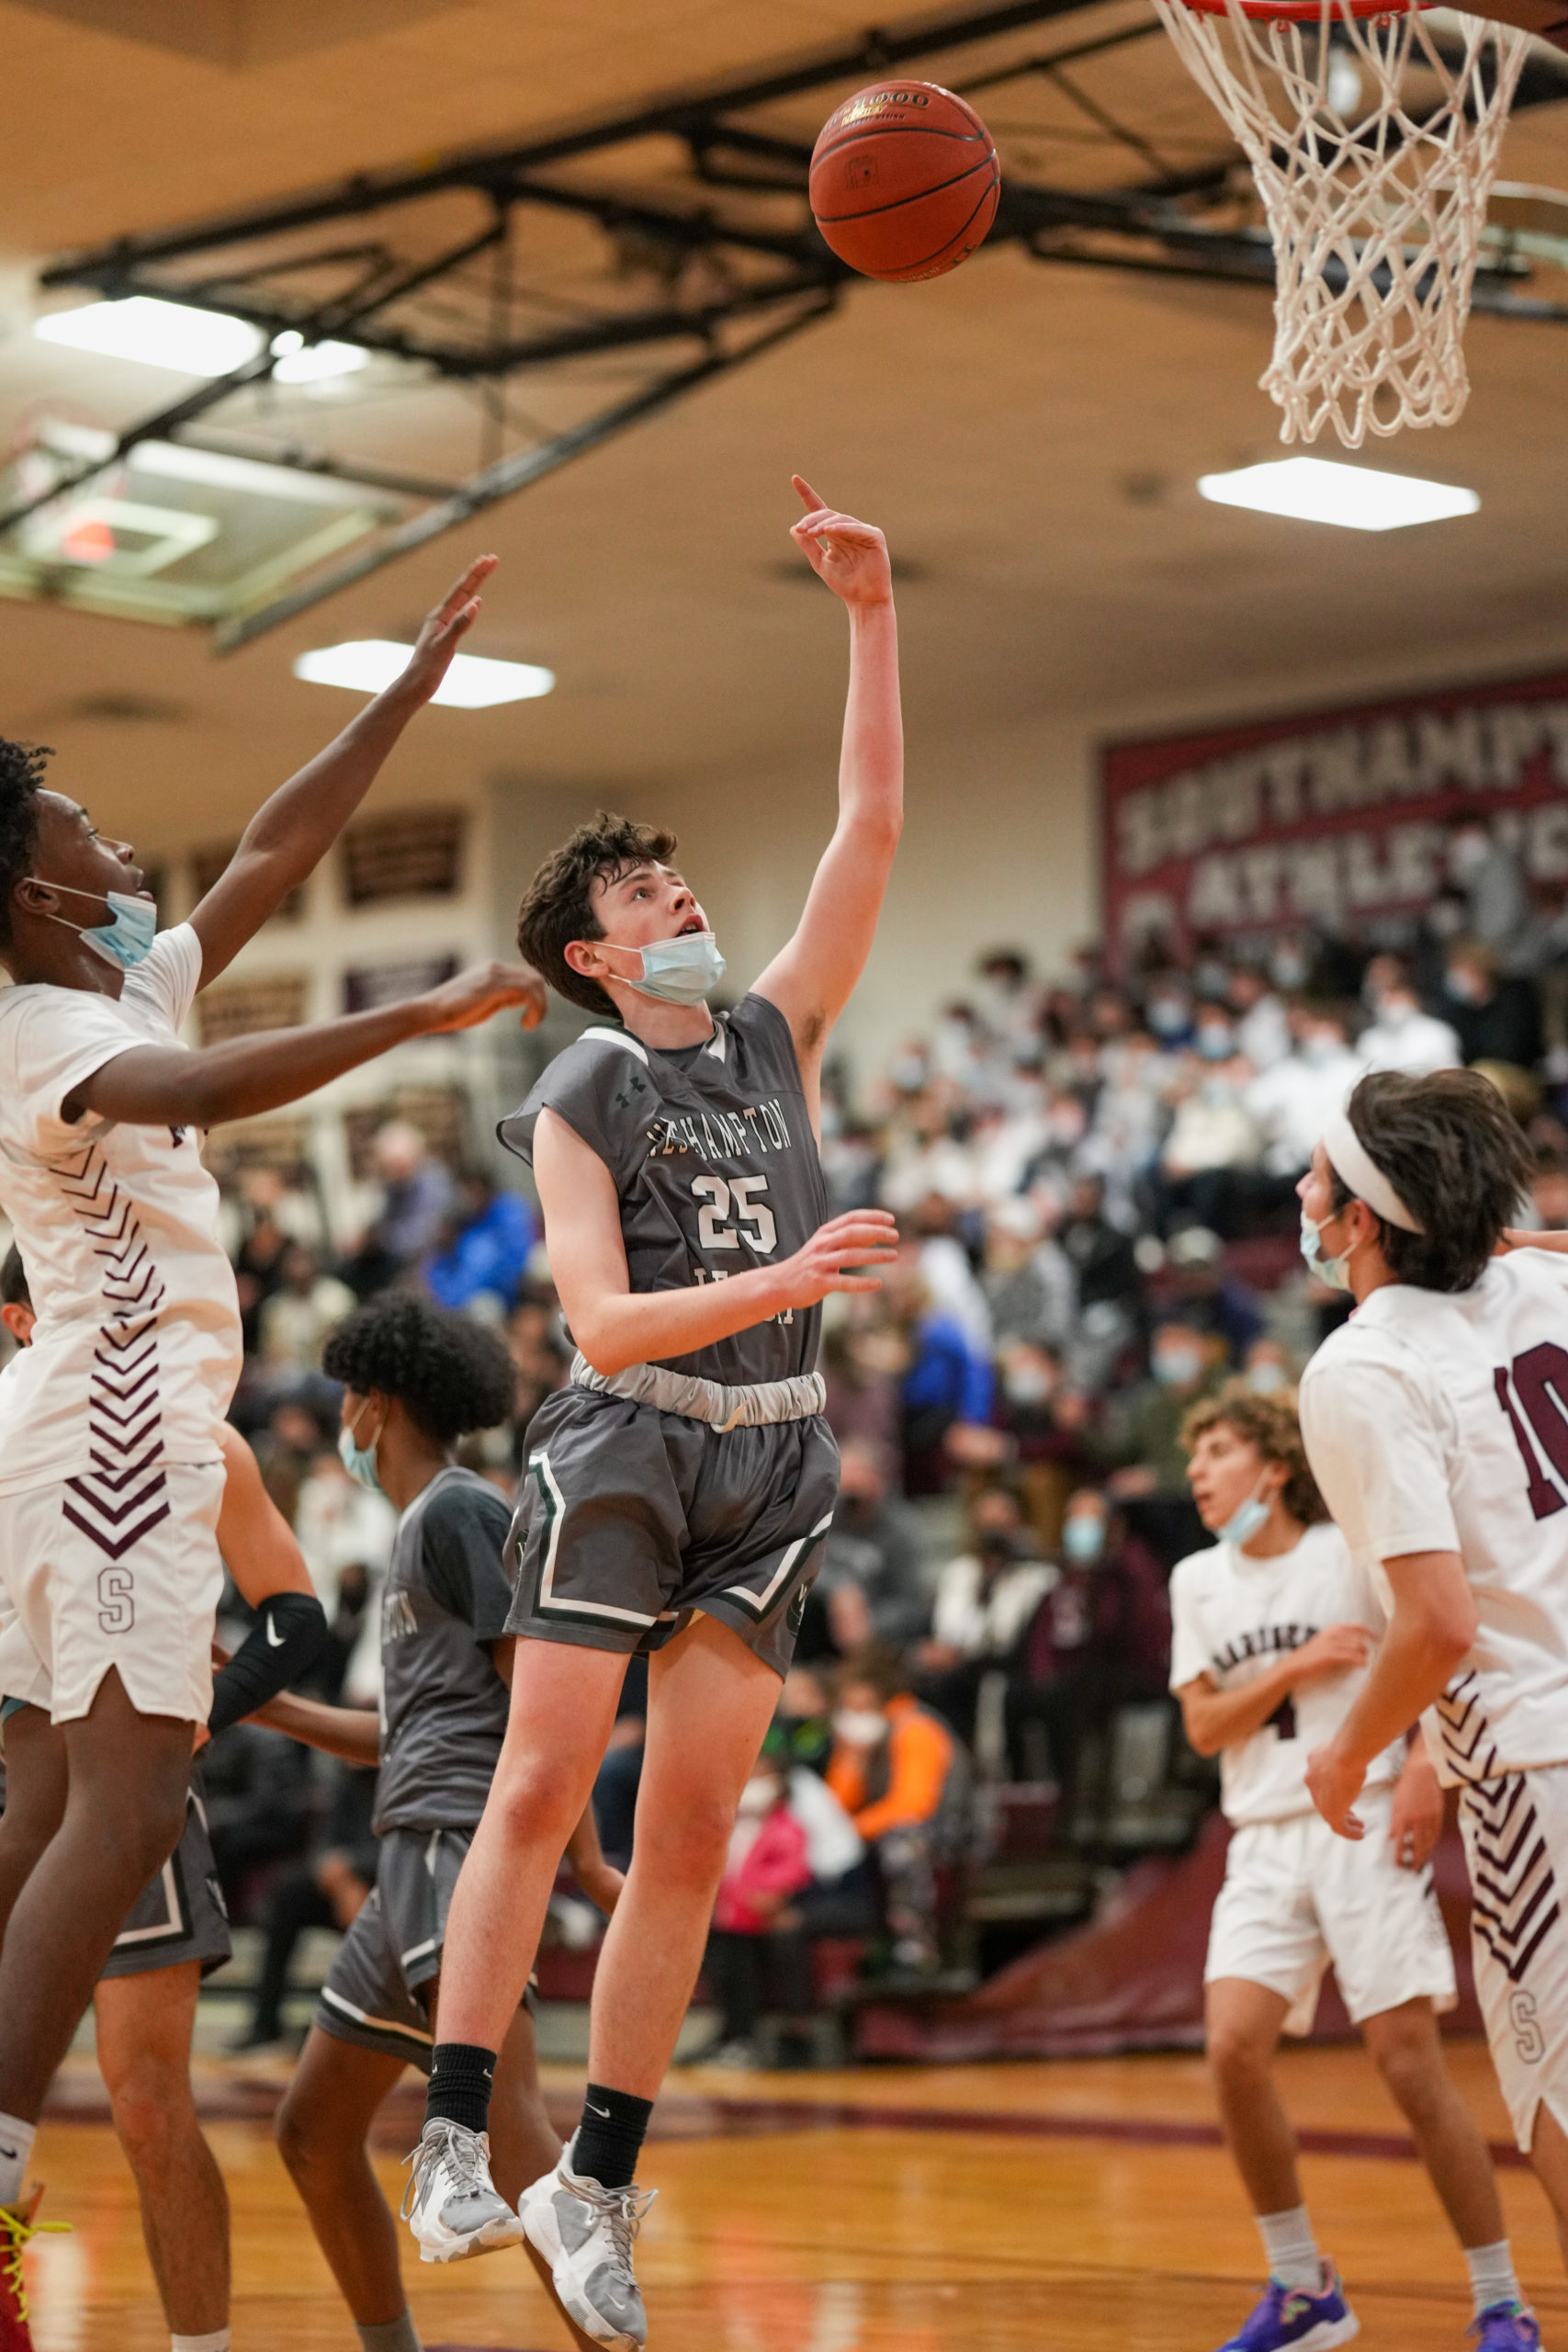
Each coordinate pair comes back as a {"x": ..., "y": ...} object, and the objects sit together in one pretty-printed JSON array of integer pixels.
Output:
[{"x": 805, "y": 493}]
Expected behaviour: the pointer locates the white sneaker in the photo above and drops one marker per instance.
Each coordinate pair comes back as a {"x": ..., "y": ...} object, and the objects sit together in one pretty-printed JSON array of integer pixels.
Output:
[
  {"x": 579, "y": 2238},
  {"x": 451, "y": 2204}
]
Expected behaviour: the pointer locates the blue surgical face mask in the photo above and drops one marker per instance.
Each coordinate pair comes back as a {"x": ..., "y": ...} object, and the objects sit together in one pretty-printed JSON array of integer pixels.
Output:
[
  {"x": 1174, "y": 1367},
  {"x": 1335, "y": 1271},
  {"x": 126, "y": 938},
  {"x": 1244, "y": 1521},
  {"x": 1083, "y": 1540},
  {"x": 359, "y": 1461},
  {"x": 684, "y": 971}
]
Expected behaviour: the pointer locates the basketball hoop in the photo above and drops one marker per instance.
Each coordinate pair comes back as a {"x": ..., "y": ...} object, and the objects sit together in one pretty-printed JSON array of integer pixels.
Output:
[{"x": 1374, "y": 154}]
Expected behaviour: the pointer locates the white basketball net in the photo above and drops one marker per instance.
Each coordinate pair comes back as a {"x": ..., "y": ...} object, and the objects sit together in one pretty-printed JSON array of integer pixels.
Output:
[{"x": 1375, "y": 213}]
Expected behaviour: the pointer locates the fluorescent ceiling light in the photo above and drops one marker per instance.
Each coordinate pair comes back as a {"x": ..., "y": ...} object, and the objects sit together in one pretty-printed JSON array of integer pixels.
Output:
[
  {"x": 368, "y": 663},
  {"x": 1310, "y": 489},
  {"x": 300, "y": 362},
  {"x": 162, "y": 335}
]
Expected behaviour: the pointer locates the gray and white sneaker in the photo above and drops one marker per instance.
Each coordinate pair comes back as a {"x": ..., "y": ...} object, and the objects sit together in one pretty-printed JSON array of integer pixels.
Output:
[
  {"x": 451, "y": 2204},
  {"x": 580, "y": 2239}
]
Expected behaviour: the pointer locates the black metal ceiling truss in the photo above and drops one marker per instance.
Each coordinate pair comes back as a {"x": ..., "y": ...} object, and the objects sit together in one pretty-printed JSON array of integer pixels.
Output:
[{"x": 681, "y": 268}]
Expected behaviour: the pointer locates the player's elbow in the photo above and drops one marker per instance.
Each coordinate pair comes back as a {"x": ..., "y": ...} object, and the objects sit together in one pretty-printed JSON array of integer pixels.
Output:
[
  {"x": 1200, "y": 1738},
  {"x": 602, "y": 1348},
  {"x": 1451, "y": 1627}
]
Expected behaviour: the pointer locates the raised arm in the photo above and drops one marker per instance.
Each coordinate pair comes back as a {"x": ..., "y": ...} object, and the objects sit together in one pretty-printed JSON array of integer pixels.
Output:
[
  {"x": 615, "y": 1326},
  {"x": 290, "y": 832},
  {"x": 167, "y": 1086},
  {"x": 810, "y": 980}
]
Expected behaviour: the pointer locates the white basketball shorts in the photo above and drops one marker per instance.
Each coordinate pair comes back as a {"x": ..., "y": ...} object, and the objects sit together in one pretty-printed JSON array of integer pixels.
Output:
[
  {"x": 86, "y": 1592},
  {"x": 1296, "y": 1897},
  {"x": 1516, "y": 1840}
]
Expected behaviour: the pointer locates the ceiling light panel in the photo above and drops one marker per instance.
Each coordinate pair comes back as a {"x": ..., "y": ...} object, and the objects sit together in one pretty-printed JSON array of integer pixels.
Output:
[
  {"x": 159, "y": 334},
  {"x": 1311, "y": 490},
  {"x": 473, "y": 682}
]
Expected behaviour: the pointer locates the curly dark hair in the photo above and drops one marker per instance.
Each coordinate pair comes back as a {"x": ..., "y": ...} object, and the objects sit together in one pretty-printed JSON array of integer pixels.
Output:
[
  {"x": 1458, "y": 1159},
  {"x": 558, "y": 906},
  {"x": 1270, "y": 1424},
  {"x": 21, "y": 778},
  {"x": 449, "y": 1374}
]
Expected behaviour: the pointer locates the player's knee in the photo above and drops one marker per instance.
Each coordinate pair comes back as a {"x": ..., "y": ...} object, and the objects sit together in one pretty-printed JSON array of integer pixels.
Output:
[
  {"x": 534, "y": 1797},
  {"x": 151, "y": 2110},
  {"x": 1236, "y": 2056},
  {"x": 1406, "y": 2066},
  {"x": 691, "y": 1845},
  {"x": 300, "y": 2142}
]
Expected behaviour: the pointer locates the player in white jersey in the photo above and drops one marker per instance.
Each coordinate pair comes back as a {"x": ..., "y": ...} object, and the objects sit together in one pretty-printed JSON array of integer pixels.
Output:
[
  {"x": 1272, "y": 1631},
  {"x": 109, "y": 1472},
  {"x": 1435, "y": 1421}
]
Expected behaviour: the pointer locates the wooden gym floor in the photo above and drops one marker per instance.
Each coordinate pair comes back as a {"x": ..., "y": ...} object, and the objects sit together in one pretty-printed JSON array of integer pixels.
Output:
[{"x": 1079, "y": 2206}]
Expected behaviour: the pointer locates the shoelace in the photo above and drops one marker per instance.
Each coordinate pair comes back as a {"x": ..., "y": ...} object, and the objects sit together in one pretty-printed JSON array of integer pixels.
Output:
[
  {"x": 17, "y": 2229},
  {"x": 1480, "y": 2326},
  {"x": 622, "y": 2209},
  {"x": 465, "y": 2152}
]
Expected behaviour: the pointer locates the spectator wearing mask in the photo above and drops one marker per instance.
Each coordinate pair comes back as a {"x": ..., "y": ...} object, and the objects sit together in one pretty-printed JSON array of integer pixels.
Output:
[
  {"x": 870, "y": 1587},
  {"x": 1141, "y": 1444},
  {"x": 1028, "y": 1280},
  {"x": 1548, "y": 1191},
  {"x": 896, "y": 1770},
  {"x": 1101, "y": 1636},
  {"x": 949, "y": 1386},
  {"x": 1204, "y": 1289},
  {"x": 1497, "y": 1019},
  {"x": 1263, "y": 1025},
  {"x": 1212, "y": 1146},
  {"x": 482, "y": 1250},
  {"x": 985, "y": 1599},
  {"x": 417, "y": 1197},
  {"x": 1291, "y": 1101},
  {"x": 1402, "y": 1036},
  {"x": 757, "y": 1955},
  {"x": 297, "y": 1315},
  {"x": 1102, "y": 1255}
]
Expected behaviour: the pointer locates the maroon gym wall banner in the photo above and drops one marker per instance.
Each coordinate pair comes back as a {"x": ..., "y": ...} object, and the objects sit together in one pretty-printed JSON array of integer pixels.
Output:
[{"x": 1335, "y": 818}]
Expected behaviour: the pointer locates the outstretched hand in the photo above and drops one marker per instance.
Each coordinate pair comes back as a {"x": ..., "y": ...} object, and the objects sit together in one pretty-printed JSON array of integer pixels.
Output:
[
  {"x": 444, "y": 629},
  {"x": 859, "y": 1238},
  {"x": 473, "y": 996},
  {"x": 851, "y": 557}
]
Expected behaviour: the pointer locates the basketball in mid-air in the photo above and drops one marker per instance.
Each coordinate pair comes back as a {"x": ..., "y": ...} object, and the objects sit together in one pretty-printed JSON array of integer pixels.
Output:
[{"x": 904, "y": 180}]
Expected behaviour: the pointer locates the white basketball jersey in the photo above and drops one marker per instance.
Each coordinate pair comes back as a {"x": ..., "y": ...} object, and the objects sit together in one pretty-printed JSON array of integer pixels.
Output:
[
  {"x": 1233, "y": 1617},
  {"x": 1438, "y": 1421}
]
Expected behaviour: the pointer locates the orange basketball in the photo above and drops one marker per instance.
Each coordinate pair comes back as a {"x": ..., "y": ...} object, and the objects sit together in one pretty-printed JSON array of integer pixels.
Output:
[{"x": 904, "y": 180}]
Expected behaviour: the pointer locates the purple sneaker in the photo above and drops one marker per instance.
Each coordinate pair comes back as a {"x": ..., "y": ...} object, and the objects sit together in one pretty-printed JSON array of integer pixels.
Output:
[
  {"x": 1506, "y": 2327},
  {"x": 1289, "y": 2319}
]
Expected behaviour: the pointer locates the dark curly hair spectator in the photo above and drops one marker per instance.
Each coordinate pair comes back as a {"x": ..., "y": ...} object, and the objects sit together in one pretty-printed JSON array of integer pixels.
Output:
[
  {"x": 21, "y": 778},
  {"x": 449, "y": 1374},
  {"x": 1270, "y": 1424}
]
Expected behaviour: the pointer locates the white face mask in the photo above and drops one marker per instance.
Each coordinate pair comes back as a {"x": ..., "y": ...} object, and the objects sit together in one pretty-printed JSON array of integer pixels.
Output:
[
  {"x": 684, "y": 971},
  {"x": 860, "y": 1726},
  {"x": 758, "y": 1798},
  {"x": 1246, "y": 1520},
  {"x": 1335, "y": 1271}
]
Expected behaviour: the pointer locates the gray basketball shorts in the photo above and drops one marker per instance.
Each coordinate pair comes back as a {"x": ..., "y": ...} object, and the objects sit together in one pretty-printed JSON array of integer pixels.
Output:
[
  {"x": 179, "y": 1914},
  {"x": 393, "y": 1950},
  {"x": 632, "y": 1519}
]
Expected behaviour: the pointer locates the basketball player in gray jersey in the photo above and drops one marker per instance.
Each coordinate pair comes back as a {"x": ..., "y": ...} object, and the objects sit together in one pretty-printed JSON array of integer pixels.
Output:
[
  {"x": 678, "y": 1490},
  {"x": 415, "y": 1378}
]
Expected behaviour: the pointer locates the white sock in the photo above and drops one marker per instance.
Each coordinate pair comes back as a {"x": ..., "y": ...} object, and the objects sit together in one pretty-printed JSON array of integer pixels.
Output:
[
  {"x": 1492, "y": 2278},
  {"x": 398, "y": 2335},
  {"x": 16, "y": 2146},
  {"x": 1293, "y": 2258},
  {"x": 217, "y": 2342}
]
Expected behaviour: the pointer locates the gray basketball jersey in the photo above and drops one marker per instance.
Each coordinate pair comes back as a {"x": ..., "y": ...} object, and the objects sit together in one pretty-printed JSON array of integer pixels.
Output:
[
  {"x": 442, "y": 1704},
  {"x": 715, "y": 1165}
]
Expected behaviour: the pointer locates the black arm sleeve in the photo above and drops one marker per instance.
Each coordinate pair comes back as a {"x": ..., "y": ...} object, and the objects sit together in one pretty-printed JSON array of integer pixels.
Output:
[
  {"x": 463, "y": 1535},
  {"x": 287, "y": 1637}
]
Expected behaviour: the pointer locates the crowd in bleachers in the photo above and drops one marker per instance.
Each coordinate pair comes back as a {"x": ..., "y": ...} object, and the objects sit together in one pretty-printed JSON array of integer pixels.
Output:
[{"x": 1095, "y": 1187}]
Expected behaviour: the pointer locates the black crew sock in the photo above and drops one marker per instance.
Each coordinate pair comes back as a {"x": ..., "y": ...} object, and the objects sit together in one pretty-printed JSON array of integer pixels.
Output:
[
  {"x": 461, "y": 2078},
  {"x": 610, "y": 2136}
]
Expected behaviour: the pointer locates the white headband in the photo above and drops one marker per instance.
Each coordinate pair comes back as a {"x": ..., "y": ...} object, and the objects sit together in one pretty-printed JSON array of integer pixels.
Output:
[{"x": 1349, "y": 1158}]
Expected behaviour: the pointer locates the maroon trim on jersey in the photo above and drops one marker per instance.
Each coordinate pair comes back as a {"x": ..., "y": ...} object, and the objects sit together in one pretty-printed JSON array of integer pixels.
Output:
[
  {"x": 125, "y": 1494},
  {"x": 1513, "y": 1891}
]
